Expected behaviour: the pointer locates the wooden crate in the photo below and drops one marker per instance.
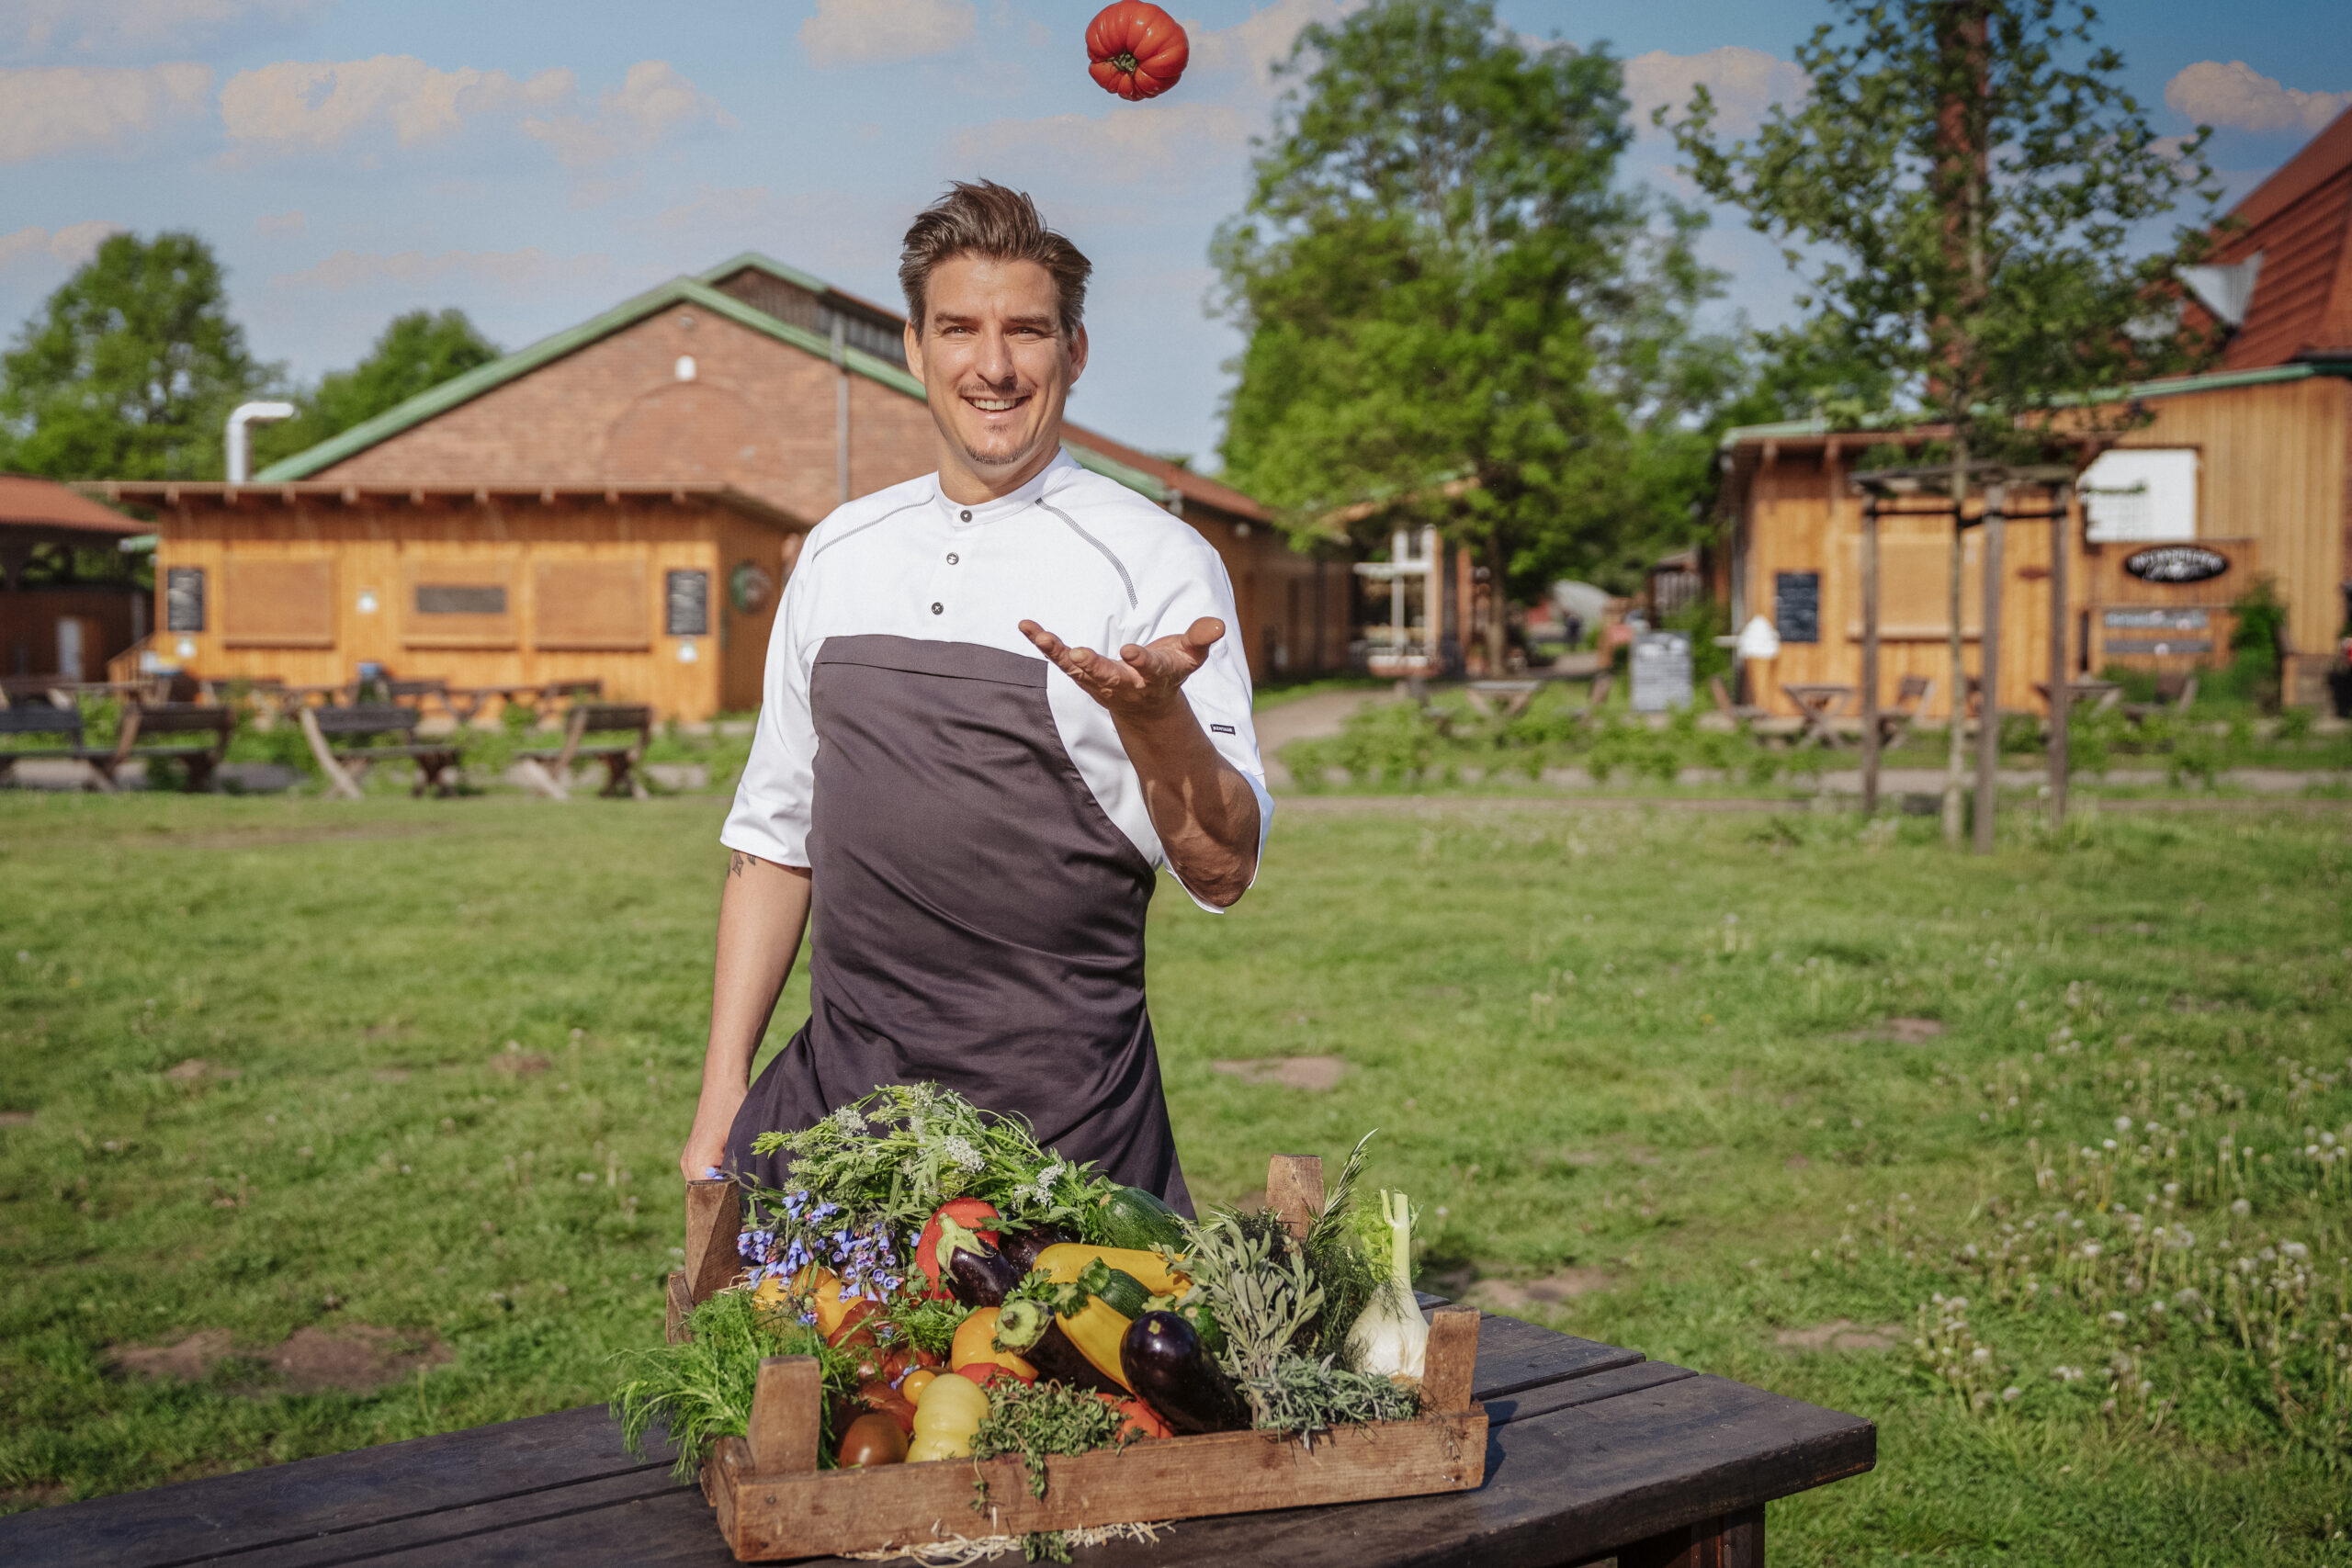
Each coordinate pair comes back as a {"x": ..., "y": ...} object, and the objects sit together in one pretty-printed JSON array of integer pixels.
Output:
[{"x": 773, "y": 1502}]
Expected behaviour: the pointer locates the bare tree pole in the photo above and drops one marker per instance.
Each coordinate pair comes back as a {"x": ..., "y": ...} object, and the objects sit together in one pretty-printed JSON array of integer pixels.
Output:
[
  {"x": 1870, "y": 657},
  {"x": 2062, "y": 697},
  {"x": 1988, "y": 666},
  {"x": 1960, "y": 141},
  {"x": 1956, "y": 740}
]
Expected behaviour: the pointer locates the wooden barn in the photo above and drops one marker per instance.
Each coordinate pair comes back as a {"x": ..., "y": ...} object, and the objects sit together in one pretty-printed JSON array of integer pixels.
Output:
[
  {"x": 664, "y": 594},
  {"x": 2240, "y": 473},
  {"x": 69, "y": 600},
  {"x": 701, "y": 427}
]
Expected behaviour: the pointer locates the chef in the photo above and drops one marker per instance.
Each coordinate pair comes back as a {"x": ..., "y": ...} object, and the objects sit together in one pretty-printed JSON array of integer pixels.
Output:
[{"x": 998, "y": 699}]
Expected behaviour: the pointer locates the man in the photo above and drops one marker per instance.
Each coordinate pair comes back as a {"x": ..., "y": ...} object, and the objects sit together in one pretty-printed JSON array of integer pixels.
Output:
[{"x": 972, "y": 800}]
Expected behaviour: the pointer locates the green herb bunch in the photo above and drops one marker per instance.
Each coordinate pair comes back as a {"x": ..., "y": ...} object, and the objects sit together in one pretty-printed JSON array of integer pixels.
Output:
[
  {"x": 1262, "y": 1289},
  {"x": 894, "y": 1156},
  {"x": 700, "y": 1390},
  {"x": 1038, "y": 1420}
]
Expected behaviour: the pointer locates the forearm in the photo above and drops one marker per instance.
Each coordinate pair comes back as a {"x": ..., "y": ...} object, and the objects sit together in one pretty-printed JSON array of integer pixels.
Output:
[
  {"x": 762, "y": 914},
  {"x": 1200, "y": 805}
]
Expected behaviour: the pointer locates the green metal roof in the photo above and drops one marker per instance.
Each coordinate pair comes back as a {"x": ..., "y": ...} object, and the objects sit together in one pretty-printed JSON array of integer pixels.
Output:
[
  {"x": 693, "y": 291},
  {"x": 2167, "y": 387}
]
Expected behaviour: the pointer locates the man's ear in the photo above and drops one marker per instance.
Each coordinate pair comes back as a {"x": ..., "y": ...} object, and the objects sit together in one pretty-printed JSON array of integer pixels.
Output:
[
  {"x": 1078, "y": 354},
  {"x": 914, "y": 350}
]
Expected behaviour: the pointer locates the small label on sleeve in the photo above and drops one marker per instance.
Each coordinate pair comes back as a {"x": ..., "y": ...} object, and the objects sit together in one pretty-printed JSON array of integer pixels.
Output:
[{"x": 1222, "y": 728}]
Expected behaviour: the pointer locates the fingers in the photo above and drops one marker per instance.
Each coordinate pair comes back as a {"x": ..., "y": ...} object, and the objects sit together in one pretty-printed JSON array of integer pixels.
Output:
[
  {"x": 1204, "y": 635},
  {"x": 1044, "y": 641}
]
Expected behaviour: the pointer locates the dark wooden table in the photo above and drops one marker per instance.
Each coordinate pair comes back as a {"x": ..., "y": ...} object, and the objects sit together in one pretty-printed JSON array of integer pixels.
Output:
[{"x": 1591, "y": 1452}]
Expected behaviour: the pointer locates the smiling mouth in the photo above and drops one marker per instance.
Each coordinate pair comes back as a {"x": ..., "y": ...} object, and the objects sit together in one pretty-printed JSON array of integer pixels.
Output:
[{"x": 996, "y": 405}]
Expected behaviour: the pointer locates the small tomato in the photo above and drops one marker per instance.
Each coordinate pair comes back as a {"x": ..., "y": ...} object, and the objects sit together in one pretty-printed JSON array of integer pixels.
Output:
[{"x": 872, "y": 1440}]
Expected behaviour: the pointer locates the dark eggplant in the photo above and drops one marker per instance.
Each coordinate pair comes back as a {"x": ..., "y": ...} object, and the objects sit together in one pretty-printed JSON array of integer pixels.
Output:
[
  {"x": 1163, "y": 1357},
  {"x": 1023, "y": 1246},
  {"x": 1027, "y": 1329},
  {"x": 976, "y": 1274}
]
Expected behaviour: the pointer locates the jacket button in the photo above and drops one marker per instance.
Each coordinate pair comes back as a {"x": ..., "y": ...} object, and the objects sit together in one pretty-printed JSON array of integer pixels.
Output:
[
  {"x": 938, "y": 609},
  {"x": 966, "y": 516},
  {"x": 951, "y": 558}
]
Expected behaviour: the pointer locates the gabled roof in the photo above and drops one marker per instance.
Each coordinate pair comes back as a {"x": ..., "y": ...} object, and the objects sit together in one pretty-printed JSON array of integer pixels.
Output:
[
  {"x": 26, "y": 502},
  {"x": 2299, "y": 221},
  {"x": 1147, "y": 476}
]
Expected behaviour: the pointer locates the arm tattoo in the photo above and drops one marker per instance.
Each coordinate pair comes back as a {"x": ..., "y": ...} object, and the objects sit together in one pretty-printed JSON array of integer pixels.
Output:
[{"x": 738, "y": 862}]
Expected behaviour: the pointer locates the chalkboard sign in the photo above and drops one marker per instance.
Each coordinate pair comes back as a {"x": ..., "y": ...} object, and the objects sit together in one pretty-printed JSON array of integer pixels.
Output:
[
  {"x": 686, "y": 604},
  {"x": 2177, "y": 563},
  {"x": 1661, "y": 669},
  {"x": 1796, "y": 605},
  {"x": 183, "y": 599}
]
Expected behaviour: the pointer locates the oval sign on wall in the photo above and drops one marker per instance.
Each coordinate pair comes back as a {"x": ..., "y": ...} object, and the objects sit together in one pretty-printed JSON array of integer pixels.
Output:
[{"x": 2176, "y": 563}]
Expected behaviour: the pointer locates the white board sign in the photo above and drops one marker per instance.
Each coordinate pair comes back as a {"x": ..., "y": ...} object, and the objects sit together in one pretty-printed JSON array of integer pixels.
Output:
[{"x": 2131, "y": 496}]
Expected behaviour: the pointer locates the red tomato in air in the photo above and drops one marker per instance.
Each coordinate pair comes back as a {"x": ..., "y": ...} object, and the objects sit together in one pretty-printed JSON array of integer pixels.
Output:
[{"x": 1137, "y": 49}]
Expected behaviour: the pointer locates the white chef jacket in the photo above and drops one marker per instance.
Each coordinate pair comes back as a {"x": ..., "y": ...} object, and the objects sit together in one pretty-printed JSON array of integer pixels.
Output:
[{"x": 1082, "y": 556}]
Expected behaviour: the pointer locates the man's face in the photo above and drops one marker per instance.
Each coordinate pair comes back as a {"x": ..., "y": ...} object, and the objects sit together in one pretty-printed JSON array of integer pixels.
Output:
[{"x": 995, "y": 364}]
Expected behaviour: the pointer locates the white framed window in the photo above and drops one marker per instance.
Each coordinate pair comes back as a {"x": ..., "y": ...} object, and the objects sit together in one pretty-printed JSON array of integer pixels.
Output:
[{"x": 2140, "y": 494}]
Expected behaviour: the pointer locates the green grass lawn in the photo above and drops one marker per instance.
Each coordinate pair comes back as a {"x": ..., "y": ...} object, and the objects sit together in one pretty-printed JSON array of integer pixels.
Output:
[{"x": 1631, "y": 1066}]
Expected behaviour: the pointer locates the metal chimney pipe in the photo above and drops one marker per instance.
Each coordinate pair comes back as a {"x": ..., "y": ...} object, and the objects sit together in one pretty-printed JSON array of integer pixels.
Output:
[{"x": 241, "y": 444}]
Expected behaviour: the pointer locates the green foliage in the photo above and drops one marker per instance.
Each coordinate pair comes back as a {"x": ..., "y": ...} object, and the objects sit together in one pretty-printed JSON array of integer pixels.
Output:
[
  {"x": 2259, "y": 644},
  {"x": 1702, "y": 621},
  {"x": 1039, "y": 1420},
  {"x": 700, "y": 1390},
  {"x": 416, "y": 354},
  {"x": 130, "y": 370},
  {"x": 1988, "y": 288},
  {"x": 1451, "y": 307}
]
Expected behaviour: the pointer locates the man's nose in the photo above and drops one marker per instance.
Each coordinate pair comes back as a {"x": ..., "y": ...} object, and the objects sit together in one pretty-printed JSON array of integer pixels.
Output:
[{"x": 994, "y": 363}]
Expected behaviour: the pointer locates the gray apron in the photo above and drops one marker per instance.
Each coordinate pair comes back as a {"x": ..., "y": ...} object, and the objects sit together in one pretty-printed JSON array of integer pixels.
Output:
[{"x": 979, "y": 921}]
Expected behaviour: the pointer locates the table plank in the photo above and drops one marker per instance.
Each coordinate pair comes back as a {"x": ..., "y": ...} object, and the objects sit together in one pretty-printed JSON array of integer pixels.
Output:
[
  {"x": 1608, "y": 1384},
  {"x": 1515, "y": 1355},
  {"x": 227, "y": 1515}
]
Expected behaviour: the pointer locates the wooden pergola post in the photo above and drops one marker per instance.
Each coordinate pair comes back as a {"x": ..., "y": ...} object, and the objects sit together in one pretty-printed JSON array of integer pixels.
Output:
[
  {"x": 1988, "y": 667},
  {"x": 1869, "y": 656},
  {"x": 2061, "y": 538}
]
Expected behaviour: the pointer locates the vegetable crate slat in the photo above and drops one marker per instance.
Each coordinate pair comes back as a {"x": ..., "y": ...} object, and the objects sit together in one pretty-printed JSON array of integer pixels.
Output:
[{"x": 773, "y": 1502}]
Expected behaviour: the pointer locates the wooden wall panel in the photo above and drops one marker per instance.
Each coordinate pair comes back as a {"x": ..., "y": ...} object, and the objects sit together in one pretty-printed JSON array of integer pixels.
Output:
[
  {"x": 376, "y": 543},
  {"x": 589, "y": 604},
  {"x": 276, "y": 601}
]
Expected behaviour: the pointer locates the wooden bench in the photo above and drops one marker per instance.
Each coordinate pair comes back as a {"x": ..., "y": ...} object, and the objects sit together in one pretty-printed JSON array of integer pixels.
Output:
[
  {"x": 1592, "y": 1451},
  {"x": 361, "y": 732},
  {"x": 143, "y": 722},
  {"x": 621, "y": 732},
  {"x": 1894, "y": 723},
  {"x": 33, "y": 721}
]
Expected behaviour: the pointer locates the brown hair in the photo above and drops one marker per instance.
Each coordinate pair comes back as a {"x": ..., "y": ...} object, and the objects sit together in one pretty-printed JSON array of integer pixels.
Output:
[{"x": 984, "y": 219}]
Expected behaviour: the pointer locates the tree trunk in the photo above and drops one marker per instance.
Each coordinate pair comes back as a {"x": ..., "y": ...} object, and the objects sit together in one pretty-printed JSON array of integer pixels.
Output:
[
  {"x": 1956, "y": 750},
  {"x": 1497, "y": 609}
]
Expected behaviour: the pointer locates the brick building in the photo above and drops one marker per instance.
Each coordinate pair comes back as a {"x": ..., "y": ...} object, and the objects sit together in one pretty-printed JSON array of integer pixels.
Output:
[{"x": 761, "y": 379}]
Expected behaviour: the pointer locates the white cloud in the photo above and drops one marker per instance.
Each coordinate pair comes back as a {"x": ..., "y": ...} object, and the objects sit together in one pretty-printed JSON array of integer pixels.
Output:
[
  {"x": 89, "y": 30},
  {"x": 652, "y": 100},
  {"x": 1112, "y": 147},
  {"x": 712, "y": 208},
  {"x": 280, "y": 223},
  {"x": 309, "y": 105},
  {"x": 2238, "y": 97},
  {"x": 1264, "y": 41},
  {"x": 70, "y": 247},
  {"x": 529, "y": 269},
  {"x": 66, "y": 108},
  {"x": 1743, "y": 83},
  {"x": 860, "y": 32}
]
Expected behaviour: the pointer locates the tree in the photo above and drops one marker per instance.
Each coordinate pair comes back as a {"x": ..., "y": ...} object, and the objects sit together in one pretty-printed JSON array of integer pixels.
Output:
[
  {"x": 1957, "y": 191},
  {"x": 131, "y": 368},
  {"x": 1453, "y": 313},
  {"x": 416, "y": 354}
]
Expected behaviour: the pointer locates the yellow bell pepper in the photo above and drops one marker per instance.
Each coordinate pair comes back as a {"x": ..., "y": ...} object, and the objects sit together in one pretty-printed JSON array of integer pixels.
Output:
[{"x": 947, "y": 1416}]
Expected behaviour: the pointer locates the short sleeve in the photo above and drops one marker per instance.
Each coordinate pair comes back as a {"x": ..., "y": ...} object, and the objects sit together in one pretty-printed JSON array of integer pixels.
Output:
[
  {"x": 769, "y": 818},
  {"x": 1219, "y": 691}
]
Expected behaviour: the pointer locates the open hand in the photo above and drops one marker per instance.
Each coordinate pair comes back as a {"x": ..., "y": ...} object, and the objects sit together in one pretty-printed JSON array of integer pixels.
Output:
[{"x": 1146, "y": 680}]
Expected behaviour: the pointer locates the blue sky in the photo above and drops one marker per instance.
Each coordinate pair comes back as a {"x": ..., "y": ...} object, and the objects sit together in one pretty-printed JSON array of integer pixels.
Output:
[{"x": 534, "y": 163}]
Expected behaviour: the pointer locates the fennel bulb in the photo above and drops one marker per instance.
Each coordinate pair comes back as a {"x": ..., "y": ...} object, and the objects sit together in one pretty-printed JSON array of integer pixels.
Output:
[{"x": 1389, "y": 1338}]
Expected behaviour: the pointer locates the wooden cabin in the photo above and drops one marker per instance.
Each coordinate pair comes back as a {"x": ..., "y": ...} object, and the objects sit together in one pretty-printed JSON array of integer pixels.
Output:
[
  {"x": 772, "y": 385},
  {"x": 664, "y": 594},
  {"x": 2235, "y": 475},
  {"x": 69, "y": 600}
]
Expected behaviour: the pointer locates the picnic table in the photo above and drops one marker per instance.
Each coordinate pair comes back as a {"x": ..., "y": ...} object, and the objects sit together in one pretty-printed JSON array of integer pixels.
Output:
[
  {"x": 1816, "y": 702},
  {"x": 1592, "y": 1451}
]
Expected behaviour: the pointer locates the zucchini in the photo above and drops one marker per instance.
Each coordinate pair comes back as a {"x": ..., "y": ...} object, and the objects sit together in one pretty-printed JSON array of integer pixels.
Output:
[
  {"x": 1027, "y": 1329},
  {"x": 1132, "y": 1218},
  {"x": 1116, "y": 1288}
]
